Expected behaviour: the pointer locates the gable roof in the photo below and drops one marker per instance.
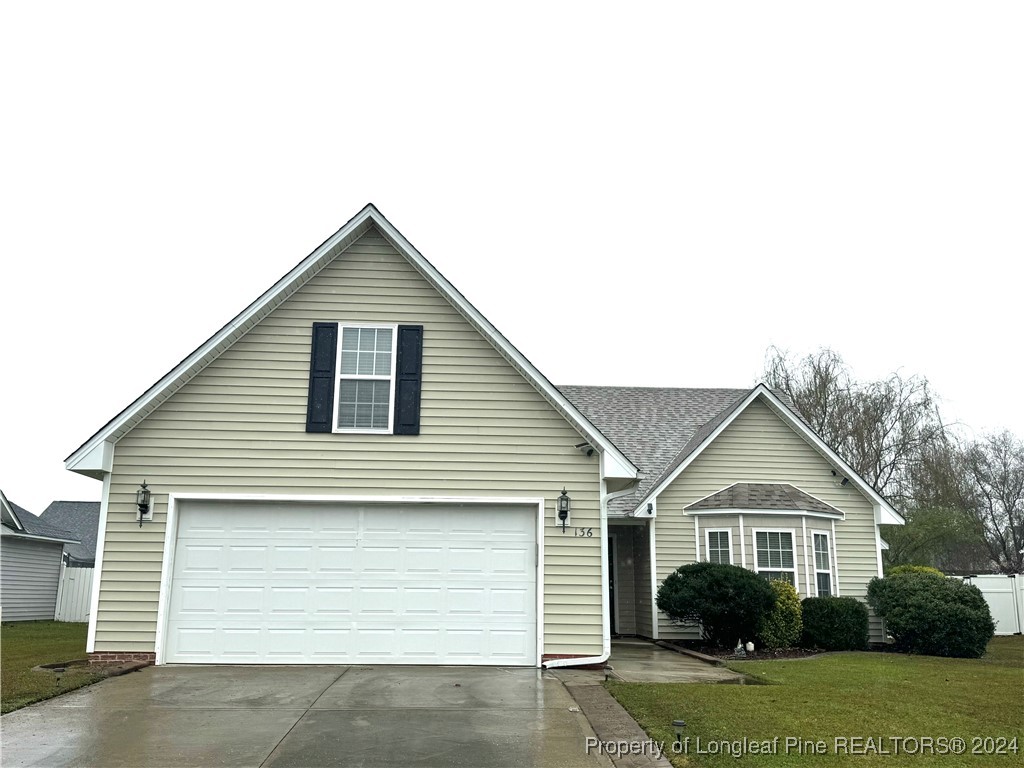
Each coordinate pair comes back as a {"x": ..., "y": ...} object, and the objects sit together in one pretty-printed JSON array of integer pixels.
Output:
[
  {"x": 775, "y": 497},
  {"x": 82, "y": 520},
  {"x": 94, "y": 456},
  {"x": 21, "y": 523},
  {"x": 885, "y": 513}
]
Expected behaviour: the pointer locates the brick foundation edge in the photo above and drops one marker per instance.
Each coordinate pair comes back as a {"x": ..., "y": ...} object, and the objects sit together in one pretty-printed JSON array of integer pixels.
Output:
[{"x": 116, "y": 657}]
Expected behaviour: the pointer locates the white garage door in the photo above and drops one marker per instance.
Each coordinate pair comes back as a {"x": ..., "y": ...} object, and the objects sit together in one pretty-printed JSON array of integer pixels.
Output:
[{"x": 304, "y": 583}]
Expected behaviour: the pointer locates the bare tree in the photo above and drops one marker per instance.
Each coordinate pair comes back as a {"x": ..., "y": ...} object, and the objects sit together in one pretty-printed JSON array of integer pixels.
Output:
[
  {"x": 880, "y": 428},
  {"x": 992, "y": 489}
]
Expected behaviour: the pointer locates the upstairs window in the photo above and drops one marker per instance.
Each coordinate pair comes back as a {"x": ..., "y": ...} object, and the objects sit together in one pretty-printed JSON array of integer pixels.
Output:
[
  {"x": 366, "y": 370},
  {"x": 775, "y": 555},
  {"x": 719, "y": 549},
  {"x": 365, "y": 379}
]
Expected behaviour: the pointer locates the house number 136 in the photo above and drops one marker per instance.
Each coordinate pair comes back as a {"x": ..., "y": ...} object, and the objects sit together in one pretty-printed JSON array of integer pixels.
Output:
[{"x": 584, "y": 532}]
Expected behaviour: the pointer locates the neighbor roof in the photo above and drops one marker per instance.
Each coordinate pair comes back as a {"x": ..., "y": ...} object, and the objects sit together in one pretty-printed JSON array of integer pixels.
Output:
[
  {"x": 763, "y": 496},
  {"x": 32, "y": 527},
  {"x": 82, "y": 519},
  {"x": 94, "y": 457}
]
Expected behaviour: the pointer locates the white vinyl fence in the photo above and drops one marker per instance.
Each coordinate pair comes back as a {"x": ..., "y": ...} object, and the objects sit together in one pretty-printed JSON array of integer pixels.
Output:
[
  {"x": 74, "y": 591},
  {"x": 1005, "y": 598}
]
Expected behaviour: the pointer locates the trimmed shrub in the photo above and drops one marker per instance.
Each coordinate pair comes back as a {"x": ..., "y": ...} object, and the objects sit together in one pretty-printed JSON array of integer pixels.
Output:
[
  {"x": 896, "y": 570},
  {"x": 835, "y": 623},
  {"x": 782, "y": 625},
  {"x": 933, "y": 615},
  {"x": 728, "y": 602}
]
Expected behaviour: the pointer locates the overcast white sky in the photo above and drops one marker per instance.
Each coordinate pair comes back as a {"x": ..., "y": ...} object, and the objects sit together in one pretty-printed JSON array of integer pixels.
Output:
[{"x": 644, "y": 194}]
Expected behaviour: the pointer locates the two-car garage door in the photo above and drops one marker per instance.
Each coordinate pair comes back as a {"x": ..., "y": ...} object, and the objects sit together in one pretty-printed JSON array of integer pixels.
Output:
[{"x": 317, "y": 583}]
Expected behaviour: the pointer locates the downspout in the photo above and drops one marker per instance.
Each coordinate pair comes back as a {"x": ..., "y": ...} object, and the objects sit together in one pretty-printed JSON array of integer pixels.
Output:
[{"x": 606, "y": 627}]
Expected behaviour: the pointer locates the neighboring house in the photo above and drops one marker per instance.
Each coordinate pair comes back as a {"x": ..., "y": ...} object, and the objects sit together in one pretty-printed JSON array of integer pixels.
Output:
[
  {"x": 30, "y": 560},
  {"x": 82, "y": 520},
  {"x": 359, "y": 468}
]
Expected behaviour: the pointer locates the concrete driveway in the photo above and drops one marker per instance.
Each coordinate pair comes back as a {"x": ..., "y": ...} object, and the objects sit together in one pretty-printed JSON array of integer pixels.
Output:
[{"x": 306, "y": 716}]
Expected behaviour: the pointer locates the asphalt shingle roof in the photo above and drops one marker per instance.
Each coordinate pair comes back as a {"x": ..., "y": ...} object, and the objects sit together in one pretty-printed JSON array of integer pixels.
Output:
[
  {"x": 37, "y": 527},
  {"x": 774, "y": 496},
  {"x": 82, "y": 518},
  {"x": 653, "y": 425}
]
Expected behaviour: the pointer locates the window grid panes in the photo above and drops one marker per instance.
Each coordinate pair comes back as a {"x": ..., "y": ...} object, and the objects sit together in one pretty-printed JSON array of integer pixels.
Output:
[
  {"x": 718, "y": 547},
  {"x": 775, "y": 555},
  {"x": 364, "y": 404},
  {"x": 366, "y": 351},
  {"x": 822, "y": 565},
  {"x": 364, "y": 383}
]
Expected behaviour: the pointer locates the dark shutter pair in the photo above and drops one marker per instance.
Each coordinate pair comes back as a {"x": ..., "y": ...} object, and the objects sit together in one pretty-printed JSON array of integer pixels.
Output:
[{"x": 408, "y": 379}]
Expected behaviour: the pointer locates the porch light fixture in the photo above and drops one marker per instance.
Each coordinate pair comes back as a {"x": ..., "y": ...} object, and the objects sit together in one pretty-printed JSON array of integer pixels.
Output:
[
  {"x": 142, "y": 497},
  {"x": 563, "y": 508}
]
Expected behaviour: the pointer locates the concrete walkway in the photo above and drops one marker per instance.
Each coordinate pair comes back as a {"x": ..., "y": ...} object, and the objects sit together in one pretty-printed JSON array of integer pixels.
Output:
[
  {"x": 634, "y": 661},
  {"x": 640, "y": 661}
]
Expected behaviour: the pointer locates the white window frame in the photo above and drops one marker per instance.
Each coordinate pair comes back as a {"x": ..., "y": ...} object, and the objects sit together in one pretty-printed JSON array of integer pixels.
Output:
[
  {"x": 707, "y": 542},
  {"x": 796, "y": 561},
  {"x": 338, "y": 376},
  {"x": 830, "y": 570}
]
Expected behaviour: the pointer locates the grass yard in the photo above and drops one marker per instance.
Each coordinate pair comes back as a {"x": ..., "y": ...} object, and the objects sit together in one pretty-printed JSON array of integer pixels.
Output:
[
  {"x": 26, "y": 644},
  {"x": 851, "y": 696}
]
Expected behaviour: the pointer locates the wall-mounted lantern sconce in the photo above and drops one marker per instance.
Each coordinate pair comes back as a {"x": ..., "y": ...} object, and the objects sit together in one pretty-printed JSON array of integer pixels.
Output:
[
  {"x": 563, "y": 506},
  {"x": 650, "y": 508},
  {"x": 142, "y": 497}
]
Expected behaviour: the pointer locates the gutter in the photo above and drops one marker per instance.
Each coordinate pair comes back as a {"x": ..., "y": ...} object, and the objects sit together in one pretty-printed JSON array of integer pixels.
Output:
[{"x": 606, "y": 629}]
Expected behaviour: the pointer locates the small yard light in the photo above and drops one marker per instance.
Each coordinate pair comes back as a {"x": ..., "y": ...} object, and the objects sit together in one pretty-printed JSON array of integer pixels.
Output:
[
  {"x": 677, "y": 726},
  {"x": 142, "y": 497},
  {"x": 563, "y": 508}
]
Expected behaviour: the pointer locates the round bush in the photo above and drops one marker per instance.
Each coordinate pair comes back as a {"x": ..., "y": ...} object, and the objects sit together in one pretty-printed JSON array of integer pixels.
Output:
[
  {"x": 728, "y": 602},
  {"x": 933, "y": 615},
  {"x": 782, "y": 625},
  {"x": 835, "y": 623},
  {"x": 896, "y": 570}
]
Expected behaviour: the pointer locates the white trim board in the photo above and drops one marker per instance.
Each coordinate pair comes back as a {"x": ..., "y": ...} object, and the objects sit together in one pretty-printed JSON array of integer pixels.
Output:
[{"x": 770, "y": 512}]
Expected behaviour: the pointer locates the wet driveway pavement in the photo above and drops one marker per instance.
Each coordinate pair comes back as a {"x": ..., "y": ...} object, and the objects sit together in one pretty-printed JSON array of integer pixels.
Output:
[{"x": 306, "y": 716}]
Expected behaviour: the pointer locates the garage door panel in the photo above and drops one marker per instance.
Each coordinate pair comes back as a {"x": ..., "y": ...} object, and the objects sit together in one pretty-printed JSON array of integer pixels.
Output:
[{"x": 451, "y": 586}]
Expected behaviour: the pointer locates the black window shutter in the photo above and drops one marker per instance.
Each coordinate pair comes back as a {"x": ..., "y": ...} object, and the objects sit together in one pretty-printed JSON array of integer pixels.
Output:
[
  {"x": 408, "y": 378},
  {"x": 322, "y": 358}
]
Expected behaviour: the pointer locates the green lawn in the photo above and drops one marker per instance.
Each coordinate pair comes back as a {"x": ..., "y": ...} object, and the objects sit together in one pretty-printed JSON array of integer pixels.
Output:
[
  {"x": 851, "y": 696},
  {"x": 26, "y": 644}
]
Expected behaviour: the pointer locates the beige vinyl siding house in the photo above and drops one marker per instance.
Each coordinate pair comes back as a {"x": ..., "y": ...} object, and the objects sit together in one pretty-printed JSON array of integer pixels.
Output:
[
  {"x": 237, "y": 428},
  {"x": 360, "y": 468}
]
